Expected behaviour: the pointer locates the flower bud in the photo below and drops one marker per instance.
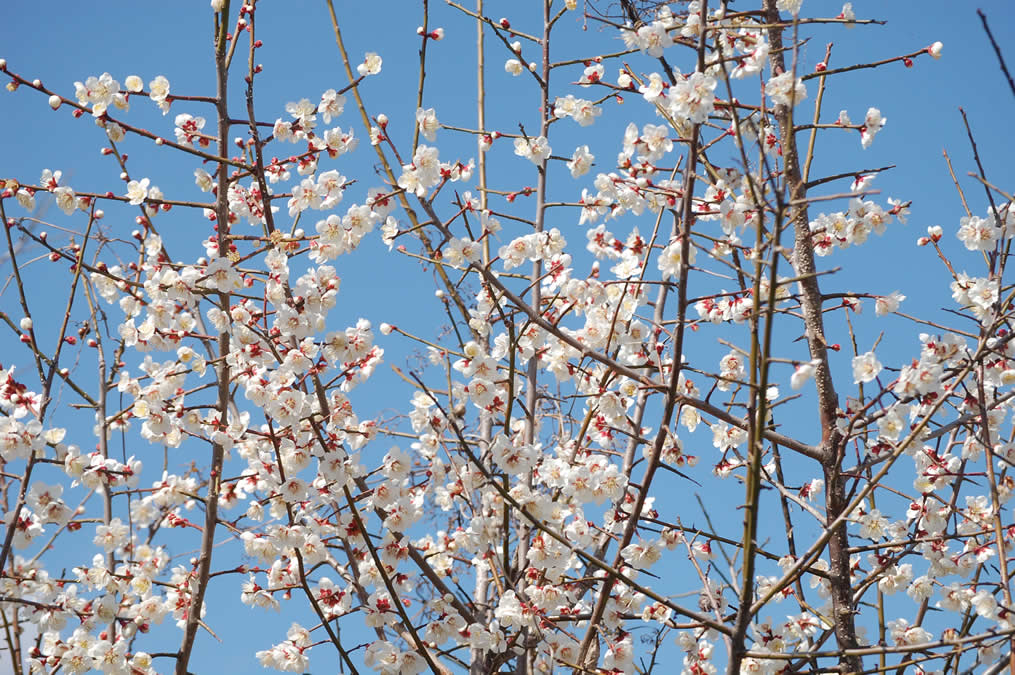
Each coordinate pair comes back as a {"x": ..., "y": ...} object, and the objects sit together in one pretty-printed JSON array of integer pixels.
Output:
[
  {"x": 26, "y": 324},
  {"x": 55, "y": 101}
]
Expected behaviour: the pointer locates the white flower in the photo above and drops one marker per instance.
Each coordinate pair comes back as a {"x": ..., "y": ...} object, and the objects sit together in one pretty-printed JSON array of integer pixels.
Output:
[
  {"x": 978, "y": 234},
  {"x": 137, "y": 191},
  {"x": 26, "y": 199},
  {"x": 158, "y": 91},
  {"x": 371, "y": 64},
  {"x": 65, "y": 199},
  {"x": 782, "y": 90},
  {"x": 536, "y": 150},
  {"x": 642, "y": 555},
  {"x": 848, "y": 14},
  {"x": 513, "y": 67},
  {"x": 428, "y": 124},
  {"x": 873, "y": 123},
  {"x": 865, "y": 367},
  {"x": 582, "y": 111},
  {"x": 652, "y": 38},
  {"x": 331, "y": 105},
  {"x": 886, "y": 304},
  {"x": 671, "y": 260},
  {"x": 802, "y": 373},
  {"x": 111, "y": 537},
  {"x": 791, "y": 6},
  {"x": 985, "y": 604},
  {"x": 581, "y": 161},
  {"x": 903, "y": 634}
]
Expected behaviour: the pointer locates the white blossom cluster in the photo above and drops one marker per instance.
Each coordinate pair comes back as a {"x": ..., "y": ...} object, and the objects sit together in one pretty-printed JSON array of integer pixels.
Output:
[{"x": 507, "y": 507}]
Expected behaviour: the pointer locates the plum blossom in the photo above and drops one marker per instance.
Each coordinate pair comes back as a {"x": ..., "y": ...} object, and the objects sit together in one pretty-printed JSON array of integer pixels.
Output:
[
  {"x": 581, "y": 161},
  {"x": 671, "y": 260},
  {"x": 332, "y": 104},
  {"x": 651, "y": 38},
  {"x": 783, "y": 90},
  {"x": 580, "y": 110},
  {"x": 865, "y": 368},
  {"x": 371, "y": 64},
  {"x": 428, "y": 124},
  {"x": 791, "y": 6},
  {"x": 158, "y": 91},
  {"x": 978, "y": 234},
  {"x": 536, "y": 150},
  {"x": 886, "y": 304},
  {"x": 99, "y": 92}
]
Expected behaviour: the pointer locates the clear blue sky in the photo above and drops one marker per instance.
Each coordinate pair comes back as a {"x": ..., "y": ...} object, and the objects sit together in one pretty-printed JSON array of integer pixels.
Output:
[{"x": 67, "y": 41}]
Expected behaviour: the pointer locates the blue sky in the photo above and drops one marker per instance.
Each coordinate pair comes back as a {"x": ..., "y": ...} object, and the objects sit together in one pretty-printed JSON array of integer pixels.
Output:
[{"x": 67, "y": 41}]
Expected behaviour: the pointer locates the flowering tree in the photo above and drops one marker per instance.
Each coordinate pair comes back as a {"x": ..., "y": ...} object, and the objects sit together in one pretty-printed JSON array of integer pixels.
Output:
[{"x": 511, "y": 517}]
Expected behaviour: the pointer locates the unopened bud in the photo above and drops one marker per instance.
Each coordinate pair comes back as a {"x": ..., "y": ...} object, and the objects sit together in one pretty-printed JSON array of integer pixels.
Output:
[{"x": 55, "y": 101}]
